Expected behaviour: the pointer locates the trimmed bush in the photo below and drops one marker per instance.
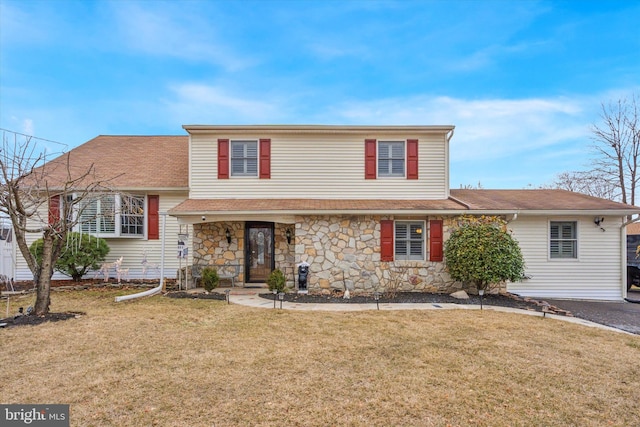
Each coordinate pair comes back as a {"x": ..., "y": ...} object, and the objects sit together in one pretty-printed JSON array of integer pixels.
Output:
[
  {"x": 482, "y": 252},
  {"x": 276, "y": 280},
  {"x": 81, "y": 253},
  {"x": 210, "y": 278}
]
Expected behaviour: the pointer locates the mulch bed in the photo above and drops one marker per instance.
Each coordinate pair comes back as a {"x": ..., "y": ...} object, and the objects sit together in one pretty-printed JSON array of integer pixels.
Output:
[
  {"x": 32, "y": 319},
  {"x": 199, "y": 295},
  {"x": 502, "y": 300}
]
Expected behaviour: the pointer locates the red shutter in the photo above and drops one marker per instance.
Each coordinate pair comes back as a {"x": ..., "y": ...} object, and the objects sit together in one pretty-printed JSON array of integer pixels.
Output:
[
  {"x": 223, "y": 159},
  {"x": 412, "y": 159},
  {"x": 435, "y": 238},
  {"x": 265, "y": 158},
  {"x": 153, "y": 219},
  {"x": 369, "y": 159},
  {"x": 386, "y": 240},
  {"x": 54, "y": 209}
]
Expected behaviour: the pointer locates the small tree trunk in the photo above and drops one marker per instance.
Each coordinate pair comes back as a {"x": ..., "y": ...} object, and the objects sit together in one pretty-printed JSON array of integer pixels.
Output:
[
  {"x": 43, "y": 298},
  {"x": 43, "y": 278}
]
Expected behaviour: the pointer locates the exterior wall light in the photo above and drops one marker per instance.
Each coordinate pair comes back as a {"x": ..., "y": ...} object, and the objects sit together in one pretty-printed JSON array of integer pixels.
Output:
[
  {"x": 227, "y": 233},
  {"x": 288, "y": 235}
]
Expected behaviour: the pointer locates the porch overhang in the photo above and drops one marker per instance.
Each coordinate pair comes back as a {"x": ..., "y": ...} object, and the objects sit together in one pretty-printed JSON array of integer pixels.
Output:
[{"x": 194, "y": 211}]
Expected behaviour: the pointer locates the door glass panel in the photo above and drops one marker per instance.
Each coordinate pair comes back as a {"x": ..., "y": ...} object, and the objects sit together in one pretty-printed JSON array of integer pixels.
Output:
[{"x": 260, "y": 256}]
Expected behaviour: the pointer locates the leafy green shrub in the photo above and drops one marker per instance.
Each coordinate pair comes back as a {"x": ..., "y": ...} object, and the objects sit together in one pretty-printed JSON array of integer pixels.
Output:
[
  {"x": 481, "y": 251},
  {"x": 210, "y": 278},
  {"x": 82, "y": 252},
  {"x": 276, "y": 280}
]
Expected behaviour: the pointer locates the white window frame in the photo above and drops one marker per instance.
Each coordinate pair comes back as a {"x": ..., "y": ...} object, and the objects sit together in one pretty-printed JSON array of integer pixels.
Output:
[
  {"x": 390, "y": 159},
  {"x": 245, "y": 158},
  {"x": 117, "y": 217},
  {"x": 559, "y": 254},
  {"x": 419, "y": 225}
]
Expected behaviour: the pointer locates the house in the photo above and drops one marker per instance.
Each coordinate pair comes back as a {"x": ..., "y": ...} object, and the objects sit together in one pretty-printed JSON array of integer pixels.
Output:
[{"x": 367, "y": 207}]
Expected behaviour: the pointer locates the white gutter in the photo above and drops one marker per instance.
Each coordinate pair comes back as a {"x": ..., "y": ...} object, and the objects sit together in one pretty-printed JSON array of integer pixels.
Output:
[
  {"x": 322, "y": 129},
  {"x": 459, "y": 201},
  {"x": 158, "y": 288}
]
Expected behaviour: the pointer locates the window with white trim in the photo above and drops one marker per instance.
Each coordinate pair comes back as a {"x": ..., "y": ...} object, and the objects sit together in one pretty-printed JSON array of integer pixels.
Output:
[
  {"x": 391, "y": 158},
  {"x": 563, "y": 241},
  {"x": 132, "y": 216},
  {"x": 112, "y": 215},
  {"x": 409, "y": 240},
  {"x": 244, "y": 158}
]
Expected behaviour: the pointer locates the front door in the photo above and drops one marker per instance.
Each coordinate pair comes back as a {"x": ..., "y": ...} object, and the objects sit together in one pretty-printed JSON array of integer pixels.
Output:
[{"x": 259, "y": 258}]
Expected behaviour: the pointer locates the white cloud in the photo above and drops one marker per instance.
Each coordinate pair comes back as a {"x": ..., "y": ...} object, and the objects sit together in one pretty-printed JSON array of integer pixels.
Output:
[
  {"x": 485, "y": 128},
  {"x": 27, "y": 127},
  {"x": 205, "y": 104},
  {"x": 175, "y": 33},
  {"x": 22, "y": 27}
]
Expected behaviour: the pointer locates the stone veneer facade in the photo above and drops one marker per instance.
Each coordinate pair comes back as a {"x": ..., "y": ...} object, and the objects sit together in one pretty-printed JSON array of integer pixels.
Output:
[{"x": 343, "y": 251}]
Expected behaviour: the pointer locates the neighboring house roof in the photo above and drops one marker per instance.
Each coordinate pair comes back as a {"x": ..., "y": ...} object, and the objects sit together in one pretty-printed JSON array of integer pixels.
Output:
[
  {"x": 129, "y": 162},
  {"x": 633, "y": 229}
]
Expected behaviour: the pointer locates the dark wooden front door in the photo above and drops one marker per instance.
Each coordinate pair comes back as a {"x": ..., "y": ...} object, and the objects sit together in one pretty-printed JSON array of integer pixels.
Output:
[{"x": 259, "y": 260}]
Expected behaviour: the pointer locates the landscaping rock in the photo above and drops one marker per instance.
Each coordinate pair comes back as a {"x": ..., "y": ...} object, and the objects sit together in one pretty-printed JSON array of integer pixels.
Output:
[{"x": 460, "y": 295}]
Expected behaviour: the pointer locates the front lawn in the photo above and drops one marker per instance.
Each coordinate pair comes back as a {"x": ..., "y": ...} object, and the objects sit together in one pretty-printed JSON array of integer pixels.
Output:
[{"x": 185, "y": 362}]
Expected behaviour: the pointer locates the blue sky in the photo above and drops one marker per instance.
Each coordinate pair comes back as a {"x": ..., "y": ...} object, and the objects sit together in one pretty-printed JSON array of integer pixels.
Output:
[{"x": 522, "y": 81}]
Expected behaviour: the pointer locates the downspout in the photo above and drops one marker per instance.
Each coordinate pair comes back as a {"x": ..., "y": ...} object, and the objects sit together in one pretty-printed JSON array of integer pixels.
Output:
[
  {"x": 449, "y": 135},
  {"x": 160, "y": 287},
  {"x": 447, "y": 182}
]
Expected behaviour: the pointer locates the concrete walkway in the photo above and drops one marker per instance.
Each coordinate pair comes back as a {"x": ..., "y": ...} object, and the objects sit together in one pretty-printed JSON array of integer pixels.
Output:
[{"x": 250, "y": 297}]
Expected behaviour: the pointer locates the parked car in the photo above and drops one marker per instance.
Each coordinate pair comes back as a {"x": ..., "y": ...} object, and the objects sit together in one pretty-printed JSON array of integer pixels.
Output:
[{"x": 633, "y": 276}]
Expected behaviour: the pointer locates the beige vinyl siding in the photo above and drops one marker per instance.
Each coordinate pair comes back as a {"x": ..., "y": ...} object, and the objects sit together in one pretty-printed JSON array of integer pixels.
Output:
[
  {"x": 595, "y": 274},
  {"x": 306, "y": 166},
  {"x": 132, "y": 249}
]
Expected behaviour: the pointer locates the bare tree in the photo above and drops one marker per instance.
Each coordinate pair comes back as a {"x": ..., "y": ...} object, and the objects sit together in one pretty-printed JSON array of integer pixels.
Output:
[
  {"x": 471, "y": 186},
  {"x": 617, "y": 145},
  {"x": 42, "y": 197},
  {"x": 587, "y": 182}
]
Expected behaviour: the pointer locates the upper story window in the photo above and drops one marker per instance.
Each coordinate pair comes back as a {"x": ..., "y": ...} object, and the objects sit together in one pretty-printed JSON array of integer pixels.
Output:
[
  {"x": 409, "y": 240},
  {"x": 391, "y": 158},
  {"x": 244, "y": 158},
  {"x": 112, "y": 215},
  {"x": 563, "y": 241}
]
